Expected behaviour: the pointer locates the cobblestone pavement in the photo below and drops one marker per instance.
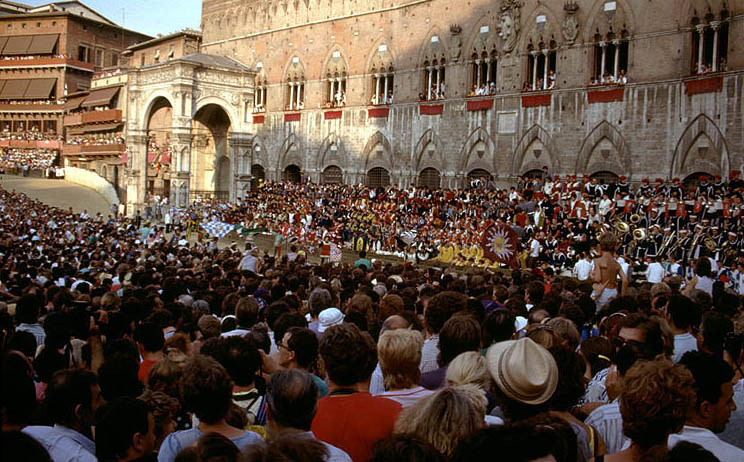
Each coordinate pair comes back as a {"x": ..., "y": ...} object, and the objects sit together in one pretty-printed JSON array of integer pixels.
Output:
[{"x": 58, "y": 193}]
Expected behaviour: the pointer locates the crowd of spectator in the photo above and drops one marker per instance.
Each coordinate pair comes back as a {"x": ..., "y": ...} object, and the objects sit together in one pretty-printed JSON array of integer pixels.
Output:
[
  {"x": 96, "y": 140},
  {"x": 12, "y": 159},
  {"x": 121, "y": 343}
]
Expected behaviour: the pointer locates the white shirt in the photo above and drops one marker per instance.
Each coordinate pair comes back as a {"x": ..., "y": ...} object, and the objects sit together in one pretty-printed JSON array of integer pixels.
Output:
[
  {"x": 429, "y": 354},
  {"x": 655, "y": 272},
  {"x": 582, "y": 269},
  {"x": 682, "y": 344},
  {"x": 707, "y": 439},
  {"x": 535, "y": 248}
]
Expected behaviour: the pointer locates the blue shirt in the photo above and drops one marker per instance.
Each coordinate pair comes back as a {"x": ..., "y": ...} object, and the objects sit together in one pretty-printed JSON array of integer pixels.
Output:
[
  {"x": 63, "y": 444},
  {"x": 334, "y": 454},
  {"x": 175, "y": 442}
]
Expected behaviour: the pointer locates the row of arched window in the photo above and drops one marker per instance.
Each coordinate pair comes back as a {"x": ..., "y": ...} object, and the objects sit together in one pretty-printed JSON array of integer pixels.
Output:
[{"x": 610, "y": 65}]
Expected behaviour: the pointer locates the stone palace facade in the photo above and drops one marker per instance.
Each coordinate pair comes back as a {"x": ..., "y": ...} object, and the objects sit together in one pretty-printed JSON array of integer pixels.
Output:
[{"x": 435, "y": 92}]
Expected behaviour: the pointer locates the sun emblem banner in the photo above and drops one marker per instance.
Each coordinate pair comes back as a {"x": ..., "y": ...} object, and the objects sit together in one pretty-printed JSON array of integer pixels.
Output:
[{"x": 499, "y": 244}]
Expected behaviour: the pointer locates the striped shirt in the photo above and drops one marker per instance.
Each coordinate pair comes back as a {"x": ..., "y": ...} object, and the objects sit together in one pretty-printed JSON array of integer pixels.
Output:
[
  {"x": 608, "y": 422},
  {"x": 429, "y": 354},
  {"x": 407, "y": 397}
]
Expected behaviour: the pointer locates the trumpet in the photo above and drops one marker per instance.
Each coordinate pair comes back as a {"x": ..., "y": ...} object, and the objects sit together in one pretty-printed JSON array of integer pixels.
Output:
[
  {"x": 639, "y": 234},
  {"x": 635, "y": 218}
]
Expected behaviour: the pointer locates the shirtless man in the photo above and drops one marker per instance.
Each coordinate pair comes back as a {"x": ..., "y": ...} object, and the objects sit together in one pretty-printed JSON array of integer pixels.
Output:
[{"x": 606, "y": 272}]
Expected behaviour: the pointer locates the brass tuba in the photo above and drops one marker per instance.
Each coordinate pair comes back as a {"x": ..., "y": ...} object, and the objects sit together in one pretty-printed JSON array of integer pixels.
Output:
[
  {"x": 635, "y": 218},
  {"x": 710, "y": 243},
  {"x": 639, "y": 234},
  {"x": 620, "y": 226}
]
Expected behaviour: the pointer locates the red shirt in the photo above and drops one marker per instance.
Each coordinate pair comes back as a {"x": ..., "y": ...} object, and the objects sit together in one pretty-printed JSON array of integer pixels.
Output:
[
  {"x": 355, "y": 422},
  {"x": 144, "y": 370}
]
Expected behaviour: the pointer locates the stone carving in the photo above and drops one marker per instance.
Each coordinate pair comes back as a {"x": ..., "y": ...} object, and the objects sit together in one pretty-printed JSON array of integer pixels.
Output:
[
  {"x": 509, "y": 24},
  {"x": 570, "y": 27},
  {"x": 455, "y": 49}
]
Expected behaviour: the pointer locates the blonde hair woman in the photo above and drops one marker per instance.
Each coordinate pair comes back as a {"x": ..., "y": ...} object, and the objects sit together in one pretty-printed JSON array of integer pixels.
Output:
[
  {"x": 469, "y": 368},
  {"x": 399, "y": 353},
  {"x": 445, "y": 418}
]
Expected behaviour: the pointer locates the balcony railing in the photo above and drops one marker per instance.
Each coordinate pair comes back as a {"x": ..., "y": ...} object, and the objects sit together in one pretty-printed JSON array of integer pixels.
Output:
[
  {"x": 42, "y": 61},
  {"x": 110, "y": 115},
  {"x": 98, "y": 149},
  {"x": 33, "y": 144},
  {"x": 31, "y": 107}
]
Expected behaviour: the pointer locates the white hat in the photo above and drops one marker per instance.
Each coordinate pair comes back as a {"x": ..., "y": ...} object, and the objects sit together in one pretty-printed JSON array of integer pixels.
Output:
[{"x": 329, "y": 317}]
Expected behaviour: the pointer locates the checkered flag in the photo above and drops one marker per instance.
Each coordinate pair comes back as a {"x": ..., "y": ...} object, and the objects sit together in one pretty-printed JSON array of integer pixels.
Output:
[
  {"x": 336, "y": 253},
  {"x": 218, "y": 229}
]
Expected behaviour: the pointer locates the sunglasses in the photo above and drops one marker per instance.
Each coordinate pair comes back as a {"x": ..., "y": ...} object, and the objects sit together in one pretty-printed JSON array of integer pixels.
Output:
[{"x": 620, "y": 342}]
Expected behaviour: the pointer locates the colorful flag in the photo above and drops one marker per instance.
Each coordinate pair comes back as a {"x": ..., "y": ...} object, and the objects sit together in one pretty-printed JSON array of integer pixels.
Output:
[{"x": 500, "y": 244}]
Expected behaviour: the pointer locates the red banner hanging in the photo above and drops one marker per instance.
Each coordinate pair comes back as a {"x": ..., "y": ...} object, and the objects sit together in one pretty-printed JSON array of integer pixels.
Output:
[
  {"x": 431, "y": 109},
  {"x": 707, "y": 85},
  {"x": 480, "y": 104},
  {"x": 605, "y": 96},
  {"x": 536, "y": 100},
  {"x": 378, "y": 112}
]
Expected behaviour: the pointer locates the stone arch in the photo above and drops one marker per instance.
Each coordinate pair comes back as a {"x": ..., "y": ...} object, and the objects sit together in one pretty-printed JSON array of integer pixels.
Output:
[
  {"x": 433, "y": 50},
  {"x": 478, "y": 41},
  {"x": 378, "y": 158},
  {"x": 294, "y": 71},
  {"x": 712, "y": 154},
  {"x": 152, "y": 101},
  {"x": 551, "y": 31},
  {"x": 526, "y": 158},
  {"x": 471, "y": 158},
  {"x": 378, "y": 60},
  {"x": 260, "y": 154},
  {"x": 424, "y": 157},
  {"x": 333, "y": 67},
  {"x": 327, "y": 155},
  {"x": 591, "y": 160},
  {"x": 290, "y": 153},
  {"x": 703, "y": 10},
  {"x": 599, "y": 22},
  {"x": 224, "y": 105}
]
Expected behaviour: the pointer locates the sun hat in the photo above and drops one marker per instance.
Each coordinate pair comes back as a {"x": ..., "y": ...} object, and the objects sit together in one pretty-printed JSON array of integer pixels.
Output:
[
  {"x": 523, "y": 370},
  {"x": 329, "y": 317}
]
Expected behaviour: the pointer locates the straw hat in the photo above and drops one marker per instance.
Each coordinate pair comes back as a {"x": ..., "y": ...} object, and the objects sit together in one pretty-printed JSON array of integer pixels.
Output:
[{"x": 523, "y": 370}]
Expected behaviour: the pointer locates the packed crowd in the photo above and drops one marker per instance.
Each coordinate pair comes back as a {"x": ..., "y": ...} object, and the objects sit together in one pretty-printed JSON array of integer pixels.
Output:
[
  {"x": 28, "y": 57},
  {"x": 12, "y": 159},
  {"x": 95, "y": 140},
  {"x": 556, "y": 220},
  {"x": 120, "y": 343},
  {"x": 28, "y": 135}
]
